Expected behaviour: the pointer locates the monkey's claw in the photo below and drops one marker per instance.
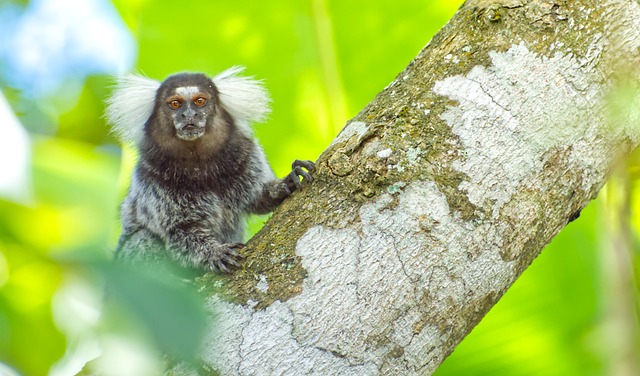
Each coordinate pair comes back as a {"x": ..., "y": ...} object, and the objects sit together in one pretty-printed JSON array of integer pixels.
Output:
[
  {"x": 228, "y": 258},
  {"x": 293, "y": 179}
]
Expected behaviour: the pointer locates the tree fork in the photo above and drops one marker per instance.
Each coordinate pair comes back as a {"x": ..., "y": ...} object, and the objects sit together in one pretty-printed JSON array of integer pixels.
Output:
[{"x": 435, "y": 198}]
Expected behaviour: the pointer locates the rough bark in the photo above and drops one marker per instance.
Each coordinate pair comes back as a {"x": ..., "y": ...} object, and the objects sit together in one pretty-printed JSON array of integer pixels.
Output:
[{"x": 436, "y": 196}]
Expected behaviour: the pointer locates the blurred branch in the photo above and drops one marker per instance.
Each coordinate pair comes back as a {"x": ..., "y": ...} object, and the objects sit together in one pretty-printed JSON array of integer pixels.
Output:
[
  {"x": 336, "y": 99},
  {"x": 620, "y": 285}
]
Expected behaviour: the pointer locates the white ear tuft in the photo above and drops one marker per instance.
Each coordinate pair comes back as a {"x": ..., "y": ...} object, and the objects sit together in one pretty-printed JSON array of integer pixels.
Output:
[
  {"x": 245, "y": 98},
  {"x": 130, "y": 106}
]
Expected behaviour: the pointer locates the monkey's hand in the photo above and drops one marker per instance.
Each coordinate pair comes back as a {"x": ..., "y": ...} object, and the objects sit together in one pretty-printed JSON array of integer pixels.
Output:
[
  {"x": 292, "y": 180},
  {"x": 225, "y": 258},
  {"x": 276, "y": 191}
]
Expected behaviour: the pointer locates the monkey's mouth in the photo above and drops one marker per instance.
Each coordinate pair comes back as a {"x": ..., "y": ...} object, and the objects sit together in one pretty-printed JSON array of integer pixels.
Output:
[{"x": 190, "y": 132}]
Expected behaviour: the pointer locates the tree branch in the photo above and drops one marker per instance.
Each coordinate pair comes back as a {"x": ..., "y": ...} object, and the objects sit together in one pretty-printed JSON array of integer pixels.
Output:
[{"x": 436, "y": 197}]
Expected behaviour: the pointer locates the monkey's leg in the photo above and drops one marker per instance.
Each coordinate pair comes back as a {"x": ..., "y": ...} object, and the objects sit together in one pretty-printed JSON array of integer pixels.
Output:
[
  {"x": 193, "y": 245},
  {"x": 141, "y": 246}
]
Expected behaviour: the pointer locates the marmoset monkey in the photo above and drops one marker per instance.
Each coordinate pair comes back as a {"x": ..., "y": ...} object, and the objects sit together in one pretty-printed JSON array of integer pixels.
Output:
[{"x": 200, "y": 171}]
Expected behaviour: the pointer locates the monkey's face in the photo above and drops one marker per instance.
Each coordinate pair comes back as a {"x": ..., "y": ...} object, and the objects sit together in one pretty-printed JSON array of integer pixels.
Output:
[
  {"x": 189, "y": 101},
  {"x": 189, "y": 107}
]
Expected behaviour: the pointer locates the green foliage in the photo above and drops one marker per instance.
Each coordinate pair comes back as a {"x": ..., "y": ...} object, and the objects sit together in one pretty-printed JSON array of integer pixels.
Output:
[
  {"x": 322, "y": 61},
  {"x": 168, "y": 308},
  {"x": 73, "y": 211},
  {"x": 26, "y": 322}
]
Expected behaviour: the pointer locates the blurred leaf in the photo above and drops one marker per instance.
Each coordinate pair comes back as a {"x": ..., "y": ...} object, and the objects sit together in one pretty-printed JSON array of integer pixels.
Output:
[
  {"x": 26, "y": 323},
  {"x": 168, "y": 308},
  {"x": 85, "y": 122},
  {"x": 75, "y": 184},
  {"x": 13, "y": 2},
  {"x": 74, "y": 210}
]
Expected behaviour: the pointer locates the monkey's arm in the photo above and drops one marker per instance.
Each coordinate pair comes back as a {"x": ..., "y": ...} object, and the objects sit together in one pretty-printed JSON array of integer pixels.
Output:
[{"x": 275, "y": 191}]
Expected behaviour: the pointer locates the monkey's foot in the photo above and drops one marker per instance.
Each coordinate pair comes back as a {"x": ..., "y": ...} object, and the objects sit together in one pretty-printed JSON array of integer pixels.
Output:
[{"x": 226, "y": 258}]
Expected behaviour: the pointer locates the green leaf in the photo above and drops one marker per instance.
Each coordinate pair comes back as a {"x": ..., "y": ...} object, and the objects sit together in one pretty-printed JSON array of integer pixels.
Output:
[{"x": 168, "y": 308}]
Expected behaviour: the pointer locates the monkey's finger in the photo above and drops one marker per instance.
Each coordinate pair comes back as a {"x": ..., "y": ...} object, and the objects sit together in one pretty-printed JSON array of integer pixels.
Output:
[
  {"x": 306, "y": 164},
  {"x": 295, "y": 180},
  {"x": 310, "y": 166},
  {"x": 305, "y": 175},
  {"x": 223, "y": 267},
  {"x": 292, "y": 182},
  {"x": 295, "y": 163},
  {"x": 235, "y": 254},
  {"x": 213, "y": 267},
  {"x": 230, "y": 260},
  {"x": 235, "y": 246}
]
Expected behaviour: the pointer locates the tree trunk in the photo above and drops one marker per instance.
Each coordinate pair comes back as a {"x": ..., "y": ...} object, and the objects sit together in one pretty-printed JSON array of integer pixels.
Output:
[{"x": 436, "y": 197}]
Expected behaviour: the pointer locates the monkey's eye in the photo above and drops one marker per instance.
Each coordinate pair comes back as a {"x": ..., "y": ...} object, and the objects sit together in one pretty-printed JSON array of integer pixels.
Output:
[
  {"x": 200, "y": 101},
  {"x": 175, "y": 104}
]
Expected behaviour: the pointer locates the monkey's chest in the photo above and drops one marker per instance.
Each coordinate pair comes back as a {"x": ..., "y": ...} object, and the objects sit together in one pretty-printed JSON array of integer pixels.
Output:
[{"x": 222, "y": 216}]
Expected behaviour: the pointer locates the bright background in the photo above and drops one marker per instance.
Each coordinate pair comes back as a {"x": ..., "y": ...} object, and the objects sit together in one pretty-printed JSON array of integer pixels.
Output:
[{"x": 62, "y": 176}]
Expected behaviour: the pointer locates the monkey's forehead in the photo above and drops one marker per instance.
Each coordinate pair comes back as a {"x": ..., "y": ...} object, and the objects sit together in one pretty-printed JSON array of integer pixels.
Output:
[
  {"x": 189, "y": 92},
  {"x": 187, "y": 80}
]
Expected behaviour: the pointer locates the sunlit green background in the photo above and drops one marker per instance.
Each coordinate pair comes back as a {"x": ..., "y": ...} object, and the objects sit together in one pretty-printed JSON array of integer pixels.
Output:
[{"x": 573, "y": 312}]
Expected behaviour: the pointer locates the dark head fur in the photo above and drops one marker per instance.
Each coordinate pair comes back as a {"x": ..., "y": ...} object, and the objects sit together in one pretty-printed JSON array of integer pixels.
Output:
[
  {"x": 183, "y": 128},
  {"x": 191, "y": 143}
]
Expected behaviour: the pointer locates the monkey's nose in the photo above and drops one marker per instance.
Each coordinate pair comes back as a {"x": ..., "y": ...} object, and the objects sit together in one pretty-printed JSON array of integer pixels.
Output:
[{"x": 189, "y": 113}]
